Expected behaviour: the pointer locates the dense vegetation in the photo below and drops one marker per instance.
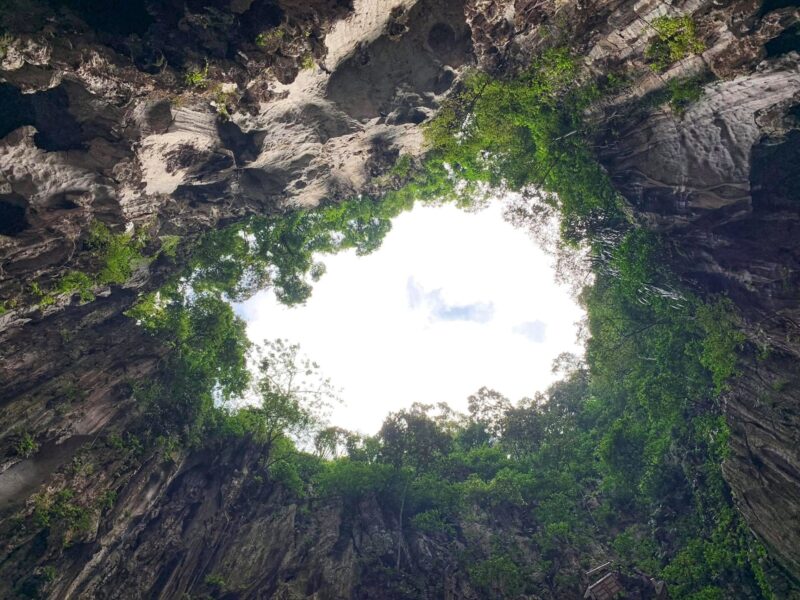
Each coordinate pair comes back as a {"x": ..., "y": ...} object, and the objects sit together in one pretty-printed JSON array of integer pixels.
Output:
[{"x": 623, "y": 454}]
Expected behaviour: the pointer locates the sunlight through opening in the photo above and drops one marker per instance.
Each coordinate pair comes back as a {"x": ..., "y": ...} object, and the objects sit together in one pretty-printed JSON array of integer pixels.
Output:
[{"x": 452, "y": 301}]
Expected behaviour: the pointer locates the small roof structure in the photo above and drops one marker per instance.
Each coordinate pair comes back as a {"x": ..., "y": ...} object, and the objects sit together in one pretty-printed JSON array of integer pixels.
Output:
[{"x": 607, "y": 587}]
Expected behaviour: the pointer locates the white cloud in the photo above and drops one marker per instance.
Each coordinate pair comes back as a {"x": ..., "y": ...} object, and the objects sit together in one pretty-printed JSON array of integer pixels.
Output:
[
  {"x": 452, "y": 301},
  {"x": 533, "y": 330},
  {"x": 441, "y": 310}
]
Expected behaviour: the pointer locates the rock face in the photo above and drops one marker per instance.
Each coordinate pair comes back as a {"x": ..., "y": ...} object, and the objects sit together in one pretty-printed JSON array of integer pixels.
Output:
[
  {"x": 233, "y": 122},
  {"x": 173, "y": 118},
  {"x": 208, "y": 524},
  {"x": 105, "y": 125},
  {"x": 722, "y": 183}
]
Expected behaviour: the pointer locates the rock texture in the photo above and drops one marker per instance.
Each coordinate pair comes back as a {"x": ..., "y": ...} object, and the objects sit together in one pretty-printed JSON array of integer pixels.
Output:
[
  {"x": 720, "y": 181},
  {"x": 207, "y": 524},
  {"x": 94, "y": 133},
  {"x": 173, "y": 118}
]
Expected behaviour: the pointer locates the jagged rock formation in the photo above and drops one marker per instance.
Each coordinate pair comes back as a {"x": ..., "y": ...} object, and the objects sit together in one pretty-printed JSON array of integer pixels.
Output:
[
  {"x": 91, "y": 135},
  {"x": 291, "y": 103}
]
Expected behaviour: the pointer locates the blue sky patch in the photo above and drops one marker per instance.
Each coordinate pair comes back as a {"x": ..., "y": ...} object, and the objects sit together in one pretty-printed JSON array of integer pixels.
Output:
[
  {"x": 533, "y": 330},
  {"x": 440, "y": 310}
]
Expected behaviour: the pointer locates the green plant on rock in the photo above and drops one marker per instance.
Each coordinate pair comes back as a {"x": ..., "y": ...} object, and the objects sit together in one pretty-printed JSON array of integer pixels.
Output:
[
  {"x": 45, "y": 299},
  {"x": 215, "y": 580},
  {"x": 270, "y": 38},
  {"x": 76, "y": 282},
  {"x": 220, "y": 103},
  {"x": 676, "y": 38},
  {"x": 26, "y": 445},
  {"x": 498, "y": 577},
  {"x": 684, "y": 92},
  {"x": 723, "y": 339},
  {"x": 432, "y": 521},
  {"x": 60, "y": 510},
  {"x": 520, "y": 133},
  {"x": 119, "y": 253},
  {"x": 107, "y": 500},
  {"x": 308, "y": 62},
  {"x": 197, "y": 77},
  {"x": 169, "y": 245},
  {"x": 6, "y": 39}
]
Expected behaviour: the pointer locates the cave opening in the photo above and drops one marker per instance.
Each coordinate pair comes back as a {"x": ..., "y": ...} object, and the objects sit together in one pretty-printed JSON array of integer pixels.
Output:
[
  {"x": 12, "y": 218},
  {"x": 459, "y": 317},
  {"x": 47, "y": 111},
  {"x": 441, "y": 38}
]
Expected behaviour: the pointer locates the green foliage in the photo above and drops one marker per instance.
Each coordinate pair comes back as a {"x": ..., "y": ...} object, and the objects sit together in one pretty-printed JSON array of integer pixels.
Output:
[
  {"x": 676, "y": 38},
  {"x": 308, "y": 62},
  {"x": 76, "y": 282},
  {"x": 130, "y": 444},
  {"x": 498, "y": 577},
  {"x": 119, "y": 253},
  {"x": 636, "y": 433},
  {"x": 45, "y": 299},
  {"x": 26, "y": 445},
  {"x": 351, "y": 479},
  {"x": 61, "y": 510},
  {"x": 6, "y": 39},
  {"x": 169, "y": 245},
  {"x": 624, "y": 451},
  {"x": 281, "y": 250},
  {"x": 634, "y": 546},
  {"x": 208, "y": 359},
  {"x": 196, "y": 77},
  {"x": 683, "y": 92},
  {"x": 107, "y": 500},
  {"x": 723, "y": 339},
  {"x": 215, "y": 580},
  {"x": 270, "y": 38},
  {"x": 403, "y": 167},
  {"x": 526, "y": 131},
  {"x": 433, "y": 521}
]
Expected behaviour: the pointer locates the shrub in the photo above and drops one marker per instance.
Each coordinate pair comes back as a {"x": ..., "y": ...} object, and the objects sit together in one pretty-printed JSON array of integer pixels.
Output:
[
  {"x": 676, "y": 38},
  {"x": 76, "y": 282},
  {"x": 308, "y": 62},
  {"x": 197, "y": 78},
  {"x": 270, "y": 38},
  {"x": 432, "y": 521},
  {"x": 683, "y": 92},
  {"x": 26, "y": 445},
  {"x": 169, "y": 245},
  {"x": 723, "y": 340},
  {"x": 498, "y": 577},
  {"x": 215, "y": 580},
  {"x": 119, "y": 253}
]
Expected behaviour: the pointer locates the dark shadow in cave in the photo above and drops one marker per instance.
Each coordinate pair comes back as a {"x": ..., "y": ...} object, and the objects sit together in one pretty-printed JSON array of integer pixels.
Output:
[
  {"x": 787, "y": 41},
  {"x": 116, "y": 17},
  {"x": 12, "y": 215},
  {"x": 775, "y": 173}
]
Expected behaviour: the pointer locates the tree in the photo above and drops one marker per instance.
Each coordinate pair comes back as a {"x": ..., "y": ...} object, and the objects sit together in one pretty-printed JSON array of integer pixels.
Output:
[
  {"x": 289, "y": 401},
  {"x": 488, "y": 408}
]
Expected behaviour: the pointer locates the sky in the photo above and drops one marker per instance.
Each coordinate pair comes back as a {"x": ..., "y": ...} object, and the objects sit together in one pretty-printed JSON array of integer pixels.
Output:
[{"x": 451, "y": 302}]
